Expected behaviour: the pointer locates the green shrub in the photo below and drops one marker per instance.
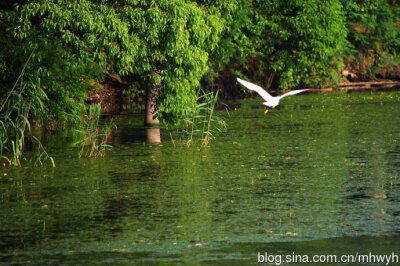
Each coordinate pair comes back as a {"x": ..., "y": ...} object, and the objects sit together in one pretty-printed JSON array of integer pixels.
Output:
[
  {"x": 286, "y": 43},
  {"x": 374, "y": 36},
  {"x": 302, "y": 40}
]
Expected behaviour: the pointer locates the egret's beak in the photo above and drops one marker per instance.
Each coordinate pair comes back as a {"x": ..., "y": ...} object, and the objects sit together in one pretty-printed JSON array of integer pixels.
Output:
[{"x": 266, "y": 111}]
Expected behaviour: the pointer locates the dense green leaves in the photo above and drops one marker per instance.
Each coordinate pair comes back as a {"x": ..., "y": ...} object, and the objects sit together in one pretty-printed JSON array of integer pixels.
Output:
[
  {"x": 300, "y": 41},
  {"x": 374, "y": 36},
  {"x": 371, "y": 22},
  {"x": 134, "y": 38}
]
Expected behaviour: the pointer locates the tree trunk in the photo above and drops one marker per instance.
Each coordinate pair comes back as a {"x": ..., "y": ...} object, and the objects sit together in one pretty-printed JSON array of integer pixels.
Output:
[{"x": 151, "y": 110}]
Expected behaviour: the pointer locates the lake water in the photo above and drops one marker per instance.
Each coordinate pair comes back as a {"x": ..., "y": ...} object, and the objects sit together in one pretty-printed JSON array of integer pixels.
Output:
[{"x": 320, "y": 174}]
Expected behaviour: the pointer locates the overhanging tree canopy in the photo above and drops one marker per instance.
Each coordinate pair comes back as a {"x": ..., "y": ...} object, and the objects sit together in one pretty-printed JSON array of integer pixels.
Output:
[{"x": 132, "y": 38}]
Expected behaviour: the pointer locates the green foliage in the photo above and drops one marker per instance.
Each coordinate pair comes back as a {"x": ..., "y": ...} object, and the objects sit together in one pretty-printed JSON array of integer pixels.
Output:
[
  {"x": 15, "y": 126},
  {"x": 132, "y": 38},
  {"x": 53, "y": 73},
  {"x": 301, "y": 41},
  {"x": 177, "y": 36},
  {"x": 14, "y": 123},
  {"x": 204, "y": 123},
  {"x": 374, "y": 35},
  {"x": 286, "y": 43},
  {"x": 173, "y": 44},
  {"x": 236, "y": 40},
  {"x": 372, "y": 23},
  {"x": 94, "y": 137}
]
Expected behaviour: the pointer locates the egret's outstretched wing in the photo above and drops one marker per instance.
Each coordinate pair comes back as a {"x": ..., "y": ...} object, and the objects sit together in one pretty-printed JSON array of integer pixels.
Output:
[
  {"x": 292, "y": 93},
  {"x": 265, "y": 95}
]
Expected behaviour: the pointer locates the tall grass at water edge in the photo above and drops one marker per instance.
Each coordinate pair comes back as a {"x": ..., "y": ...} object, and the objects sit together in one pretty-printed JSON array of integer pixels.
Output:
[
  {"x": 205, "y": 123},
  {"x": 93, "y": 142}
]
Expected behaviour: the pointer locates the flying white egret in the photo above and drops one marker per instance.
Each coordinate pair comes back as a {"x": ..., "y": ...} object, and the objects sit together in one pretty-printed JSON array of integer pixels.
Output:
[{"x": 270, "y": 101}]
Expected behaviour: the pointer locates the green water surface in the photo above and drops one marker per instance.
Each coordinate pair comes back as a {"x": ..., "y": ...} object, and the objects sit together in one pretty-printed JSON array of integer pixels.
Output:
[{"x": 320, "y": 174}]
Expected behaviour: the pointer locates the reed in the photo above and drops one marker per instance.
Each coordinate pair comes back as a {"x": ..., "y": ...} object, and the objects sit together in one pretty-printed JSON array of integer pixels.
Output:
[
  {"x": 204, "y": 123},
  {"x": 15, "y": 128},
  {"x": 93, "y": 142},
  {"x": 15, "y": 132}
]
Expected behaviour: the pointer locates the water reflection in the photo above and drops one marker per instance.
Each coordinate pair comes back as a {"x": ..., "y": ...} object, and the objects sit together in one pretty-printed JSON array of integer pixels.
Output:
[{"x": 153, "y": 135}]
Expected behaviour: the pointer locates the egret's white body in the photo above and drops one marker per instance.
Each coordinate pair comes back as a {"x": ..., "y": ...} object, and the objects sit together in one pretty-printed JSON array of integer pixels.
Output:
[{"x": 270, "y": 101}]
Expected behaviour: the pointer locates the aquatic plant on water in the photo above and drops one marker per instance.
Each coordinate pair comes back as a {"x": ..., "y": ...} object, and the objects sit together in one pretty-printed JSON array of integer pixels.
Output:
[
  {"x": 204, "y": 123},
  {"x": 15, "y": 133},
  {"x": 94, "y": 136}
]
